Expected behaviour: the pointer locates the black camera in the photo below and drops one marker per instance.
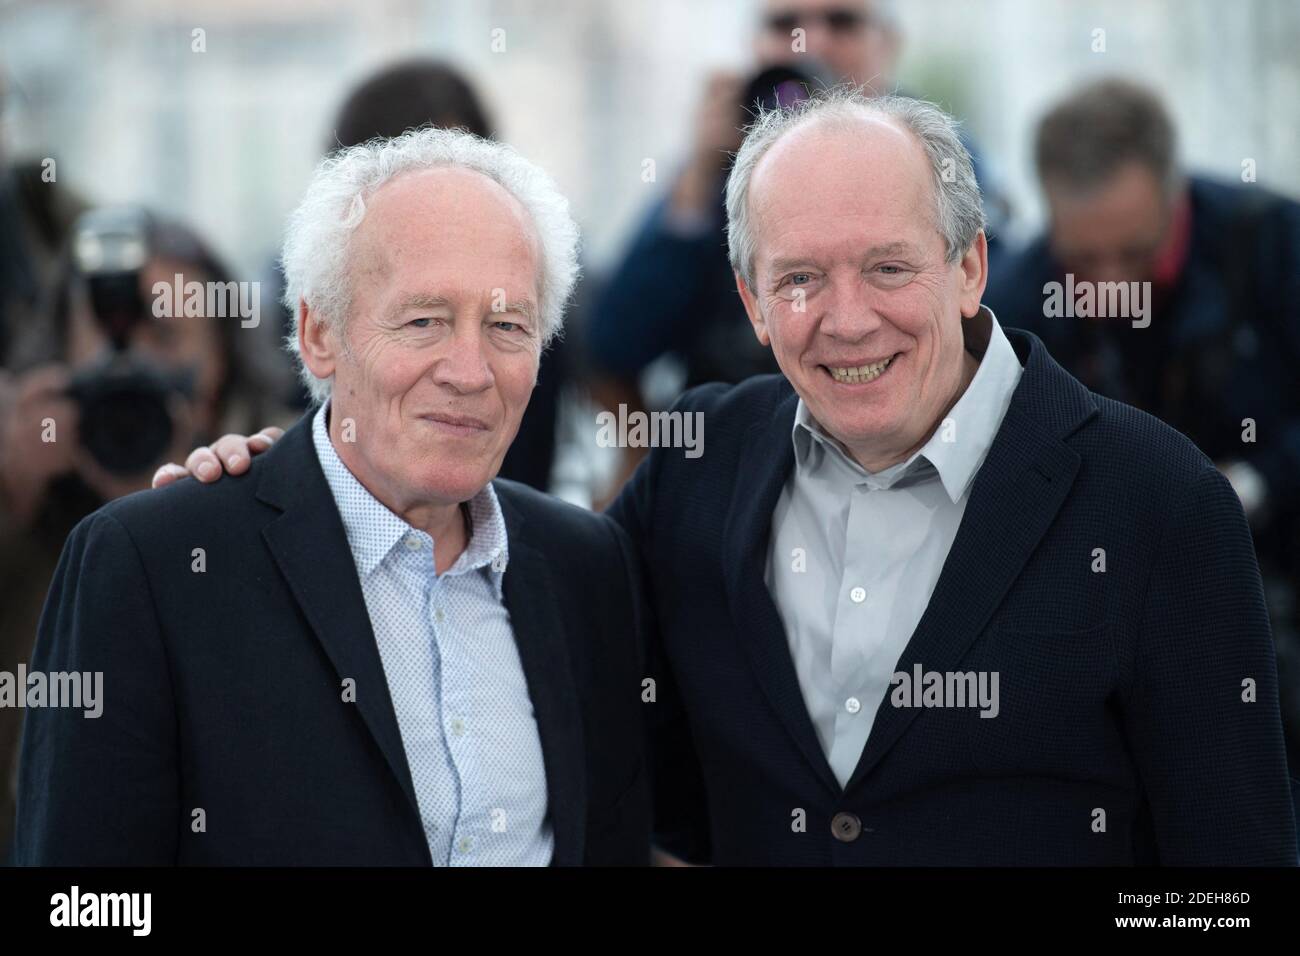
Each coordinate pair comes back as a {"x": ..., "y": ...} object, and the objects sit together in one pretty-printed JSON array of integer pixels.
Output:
[
  {"x": 784, "y": 85},
  {"x": 122, "y": 396}
]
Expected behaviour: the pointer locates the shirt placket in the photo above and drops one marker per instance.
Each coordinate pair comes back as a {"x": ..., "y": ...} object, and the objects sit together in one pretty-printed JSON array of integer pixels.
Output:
[
  {"x": 414, "y": 566},
  {"x": 857, "y": 630},
  {"x": 459, "y": 720}
]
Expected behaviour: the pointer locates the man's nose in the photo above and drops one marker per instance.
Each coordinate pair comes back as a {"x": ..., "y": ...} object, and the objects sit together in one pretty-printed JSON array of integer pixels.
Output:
[
  {"x": 464, "y": 366},
  {"x": 850, "y": 310}
]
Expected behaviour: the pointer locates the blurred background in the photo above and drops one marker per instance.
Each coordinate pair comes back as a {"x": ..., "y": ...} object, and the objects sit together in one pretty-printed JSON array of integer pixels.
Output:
[
  {"x": 213, "y": 112},
  {"x": 1153, "y": 141},
  {"x": 586, "y": 88}
]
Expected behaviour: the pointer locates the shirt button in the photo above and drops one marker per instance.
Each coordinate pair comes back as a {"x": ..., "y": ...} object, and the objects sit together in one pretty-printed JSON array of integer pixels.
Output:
[
  {"x": 439, "y": 616},
  {"x": 846, "y": 827},
  {"x": 853, "y": 705},
  {"x": 465, "y": 845},
  {"x": 858, "y": 595},
  {"x": 457, "y": 727},
  {"x": 412, "y": 543}
]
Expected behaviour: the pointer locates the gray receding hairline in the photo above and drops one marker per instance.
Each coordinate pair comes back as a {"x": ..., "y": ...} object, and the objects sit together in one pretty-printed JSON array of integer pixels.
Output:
[
  {"x": 959, "y": 209},
  {"x": 317, "y": 255}
]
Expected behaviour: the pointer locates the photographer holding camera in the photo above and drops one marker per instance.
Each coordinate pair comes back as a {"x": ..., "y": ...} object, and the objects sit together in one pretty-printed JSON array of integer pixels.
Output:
[{"x": 124, "y": 387}]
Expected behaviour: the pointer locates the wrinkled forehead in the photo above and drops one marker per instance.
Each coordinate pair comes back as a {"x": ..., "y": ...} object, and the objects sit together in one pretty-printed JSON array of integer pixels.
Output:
[
  {"x": 446, "y": 211},
  {"x": 866, "y": 173}
]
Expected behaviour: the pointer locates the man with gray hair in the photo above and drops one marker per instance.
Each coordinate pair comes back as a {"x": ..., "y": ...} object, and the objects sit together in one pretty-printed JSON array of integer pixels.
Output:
[
  {"x": 927, "y": 600},
  {"x": 364, "y": 651}
]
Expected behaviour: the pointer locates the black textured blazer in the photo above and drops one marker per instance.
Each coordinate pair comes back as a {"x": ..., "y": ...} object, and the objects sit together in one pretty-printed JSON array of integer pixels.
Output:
[
  {"x": 223, "y": 689},
  {"x": 1128, "y": 731}
]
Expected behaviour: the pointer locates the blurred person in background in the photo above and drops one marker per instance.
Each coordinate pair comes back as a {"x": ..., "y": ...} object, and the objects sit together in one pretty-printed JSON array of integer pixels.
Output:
[
  {"x": 1223, "y": 341},
  {"x": 36, "y": 215},
  {"x": 91, "y": 422},
  {"x": 407, "y": 95},
  {"x": 673, "y": 291}
]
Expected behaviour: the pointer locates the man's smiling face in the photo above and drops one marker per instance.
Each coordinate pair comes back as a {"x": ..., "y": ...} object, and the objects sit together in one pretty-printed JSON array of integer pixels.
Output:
[
  {"x": 851, "y": 287},
  {"x": 440, "y": 351}
]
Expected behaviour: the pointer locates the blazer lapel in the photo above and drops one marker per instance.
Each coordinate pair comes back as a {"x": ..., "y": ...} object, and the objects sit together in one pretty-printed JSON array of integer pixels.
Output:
[
  {"x": 1015, "y": 496},
  {"x": 539, "y": 630},
  {"x": 765, "y": 465},
  {"x": 310, "y": 546}
]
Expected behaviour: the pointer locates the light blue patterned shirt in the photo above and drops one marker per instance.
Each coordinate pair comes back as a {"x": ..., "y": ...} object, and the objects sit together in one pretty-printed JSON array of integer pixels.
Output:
[{"x": 454, "y": 673}]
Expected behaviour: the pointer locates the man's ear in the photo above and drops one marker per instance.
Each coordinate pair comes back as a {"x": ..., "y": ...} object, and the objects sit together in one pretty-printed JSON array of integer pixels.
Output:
[
  {"x": 974, "y": 275},
  {"x": 316, "y": 343},
  {"x": 751, "y": 309}
]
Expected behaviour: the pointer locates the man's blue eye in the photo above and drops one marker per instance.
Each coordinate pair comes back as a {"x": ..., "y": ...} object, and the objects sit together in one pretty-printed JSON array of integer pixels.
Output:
[
  {"x": 896, "y": 269},
  {"x": 513, "y": 325},
  {"x": 420, "y": 323}
]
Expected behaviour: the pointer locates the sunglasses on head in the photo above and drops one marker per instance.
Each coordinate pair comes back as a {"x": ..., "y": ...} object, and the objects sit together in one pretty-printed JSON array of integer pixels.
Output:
[{"x": 837, "y": 19}]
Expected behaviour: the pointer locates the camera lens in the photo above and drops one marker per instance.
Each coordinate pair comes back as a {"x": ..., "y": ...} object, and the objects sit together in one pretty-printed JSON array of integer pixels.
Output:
[
  {"x": 125, "y": 423},
  {"x": 783, "y": 85}
]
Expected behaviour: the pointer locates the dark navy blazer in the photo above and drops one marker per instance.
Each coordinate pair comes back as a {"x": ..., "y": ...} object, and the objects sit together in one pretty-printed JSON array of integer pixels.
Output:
[
  {"x": 1138, "y": 716},
  {"x": 223, "y": 689}
]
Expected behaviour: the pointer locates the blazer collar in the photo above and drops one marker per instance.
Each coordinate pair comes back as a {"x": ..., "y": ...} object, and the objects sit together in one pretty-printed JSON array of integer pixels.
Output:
[
  {"x": 766, "y": 462},
  {"x": 309, "y": 544},
  {"x": 374, "y": 531},
  {"x": 1014, "y": 496},
  {"x": 540, "y": 633}
]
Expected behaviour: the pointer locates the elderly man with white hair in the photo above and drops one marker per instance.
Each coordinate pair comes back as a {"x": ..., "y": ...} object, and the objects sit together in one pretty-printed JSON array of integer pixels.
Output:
[
  {"x": 363, "y": 651},
  {"x": 927, "y": 600}
]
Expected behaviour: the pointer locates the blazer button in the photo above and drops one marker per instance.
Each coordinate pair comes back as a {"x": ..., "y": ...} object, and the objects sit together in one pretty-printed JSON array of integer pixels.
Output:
[{"x": 846, "y": 827}]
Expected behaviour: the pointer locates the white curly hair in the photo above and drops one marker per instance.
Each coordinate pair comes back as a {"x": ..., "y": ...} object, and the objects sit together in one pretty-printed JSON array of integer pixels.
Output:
[{"x": 316, "y": 252}]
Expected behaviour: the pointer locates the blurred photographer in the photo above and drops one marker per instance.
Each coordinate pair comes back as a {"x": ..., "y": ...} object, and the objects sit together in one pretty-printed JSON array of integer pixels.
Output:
[
  {"x": 36, "y": 215},
  {"x": 1215, "y": 354},
  {"x": 128, "y": 382}
]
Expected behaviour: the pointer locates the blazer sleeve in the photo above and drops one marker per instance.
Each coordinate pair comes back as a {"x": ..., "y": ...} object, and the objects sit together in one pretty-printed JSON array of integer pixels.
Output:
[
  {"x": 101, "y": 790},
  {"x": 678, "y": 795},
  {"x": 634, "y": 803},
  {"x": 1203, "y": 717}
]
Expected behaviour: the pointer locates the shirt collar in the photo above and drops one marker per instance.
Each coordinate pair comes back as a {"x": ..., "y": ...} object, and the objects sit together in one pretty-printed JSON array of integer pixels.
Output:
[
  {"x": 373, "y": 531},
  {"x": 959, "y": 445}
]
